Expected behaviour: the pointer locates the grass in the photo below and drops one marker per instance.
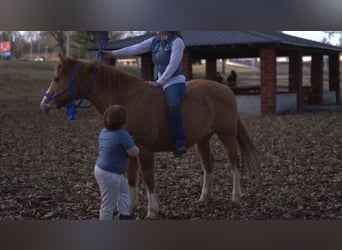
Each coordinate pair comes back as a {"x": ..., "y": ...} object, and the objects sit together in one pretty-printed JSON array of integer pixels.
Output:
[{"x": 26, "y": 75}]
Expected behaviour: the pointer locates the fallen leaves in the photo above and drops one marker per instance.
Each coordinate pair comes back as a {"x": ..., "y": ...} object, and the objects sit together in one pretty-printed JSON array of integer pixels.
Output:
[{"x": 47, "y": 163}]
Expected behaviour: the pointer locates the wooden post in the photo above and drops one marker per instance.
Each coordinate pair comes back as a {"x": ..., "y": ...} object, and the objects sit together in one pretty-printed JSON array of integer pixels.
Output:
[
  {"x": 146, "y": 67},
  {"x": 187, "y": 65},
  {"x": 296, "y": 77},
  {"x": 210, "y": 69},
  {"x": 317, "y": 78},
  {"x": 334, "y": 75}
]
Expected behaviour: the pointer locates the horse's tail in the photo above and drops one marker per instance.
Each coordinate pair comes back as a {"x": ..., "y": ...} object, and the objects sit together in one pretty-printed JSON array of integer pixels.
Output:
[{"x": 248, "y": 151}]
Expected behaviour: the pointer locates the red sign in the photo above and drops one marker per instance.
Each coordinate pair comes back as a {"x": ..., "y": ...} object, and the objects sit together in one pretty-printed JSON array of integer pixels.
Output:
[{"x": 5, "y": 46}]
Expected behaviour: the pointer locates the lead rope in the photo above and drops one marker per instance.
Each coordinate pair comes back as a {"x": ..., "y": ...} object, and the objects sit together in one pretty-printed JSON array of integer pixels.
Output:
[
  {"x": 102, "y": 46},
  {"x": 70, "y": 109}
]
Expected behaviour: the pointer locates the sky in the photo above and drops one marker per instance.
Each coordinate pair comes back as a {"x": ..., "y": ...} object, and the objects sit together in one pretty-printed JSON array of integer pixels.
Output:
[{"x": 312, "y": 35}]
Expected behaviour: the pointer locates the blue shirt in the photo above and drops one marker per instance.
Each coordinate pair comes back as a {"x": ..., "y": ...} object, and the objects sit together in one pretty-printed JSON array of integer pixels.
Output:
[
  {"x": 112, "y": 150},
  {"x": 161, "y": 57}
]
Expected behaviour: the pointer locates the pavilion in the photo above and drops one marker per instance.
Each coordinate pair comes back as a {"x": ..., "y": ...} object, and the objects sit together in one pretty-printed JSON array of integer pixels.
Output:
[{"x": 267, "y": 46}]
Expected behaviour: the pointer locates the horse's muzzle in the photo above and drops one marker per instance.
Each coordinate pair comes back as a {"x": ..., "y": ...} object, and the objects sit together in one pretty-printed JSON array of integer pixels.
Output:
[{"x": 46, "y": 108}]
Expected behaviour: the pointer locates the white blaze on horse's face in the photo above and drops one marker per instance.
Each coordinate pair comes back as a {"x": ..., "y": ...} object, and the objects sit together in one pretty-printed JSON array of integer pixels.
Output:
[{"x": 48, "y": 105}]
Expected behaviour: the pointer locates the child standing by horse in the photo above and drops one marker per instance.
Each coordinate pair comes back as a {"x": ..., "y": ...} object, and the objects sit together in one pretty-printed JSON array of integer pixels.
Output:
[{"x": 115, "y": 147}]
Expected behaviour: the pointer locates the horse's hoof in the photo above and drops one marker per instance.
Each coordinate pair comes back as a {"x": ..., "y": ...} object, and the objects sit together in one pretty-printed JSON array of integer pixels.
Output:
[
  {"x": 237, "y": 203},
  {"x": 204, "y": 198},
  {"x": 236, "y": 199},
  {"x": 152, "y": 216},
  {"x": 201, "y": 200}
]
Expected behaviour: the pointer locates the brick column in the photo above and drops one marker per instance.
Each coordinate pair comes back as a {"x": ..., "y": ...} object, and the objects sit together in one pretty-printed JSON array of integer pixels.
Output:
[
  {"x": 146, "y": 67},
  {"x": 317, "y": 78},
  {"x": 296, "y": 77},
  {"x": 187, "y": 65},
  {"x": 268, "y": 80},
  {"x": 334, "y": 75},
  {"x": 210, "y": 69}
]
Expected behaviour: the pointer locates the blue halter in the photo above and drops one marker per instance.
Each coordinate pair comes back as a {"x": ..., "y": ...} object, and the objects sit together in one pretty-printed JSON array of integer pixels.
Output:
[
  {"x": 71, "y": 106},
  {"x": 70, "y": 110}
]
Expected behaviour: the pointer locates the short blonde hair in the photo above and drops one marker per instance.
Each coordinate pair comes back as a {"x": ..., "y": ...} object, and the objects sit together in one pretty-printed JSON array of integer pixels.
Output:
[{"x": 114, "y": 117}]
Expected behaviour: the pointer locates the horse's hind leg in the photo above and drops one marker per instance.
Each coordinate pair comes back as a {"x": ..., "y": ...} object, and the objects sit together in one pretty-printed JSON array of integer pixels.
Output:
[
  {"x": 230, "y": 146},
  {"x": 147, "y": 168},
  {"x": 131, "y": 175},
  {"x": 204, "y": 153}
]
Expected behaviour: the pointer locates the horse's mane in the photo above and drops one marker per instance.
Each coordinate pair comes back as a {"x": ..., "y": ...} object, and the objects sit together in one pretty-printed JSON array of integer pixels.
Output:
[{"x": 106, "y": 76}]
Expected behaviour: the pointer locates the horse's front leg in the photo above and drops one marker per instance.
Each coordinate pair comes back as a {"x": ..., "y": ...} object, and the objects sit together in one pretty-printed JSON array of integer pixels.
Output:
[
  {"x": 204, "y": 153},
  {"x": 146, "y": 158},
  {"x": 131, "y": 175}
]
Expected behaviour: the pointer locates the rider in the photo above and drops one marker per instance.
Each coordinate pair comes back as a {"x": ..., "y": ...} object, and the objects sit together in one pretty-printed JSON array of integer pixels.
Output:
[{"x": 167, "y": 51}]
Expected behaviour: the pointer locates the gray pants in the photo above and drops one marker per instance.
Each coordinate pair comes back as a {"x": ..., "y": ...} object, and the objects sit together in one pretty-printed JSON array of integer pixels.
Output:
[{"x": 114, "y": 193}]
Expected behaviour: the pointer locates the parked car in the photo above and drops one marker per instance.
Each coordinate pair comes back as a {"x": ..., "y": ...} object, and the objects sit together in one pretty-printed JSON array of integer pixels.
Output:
[{"x": 39, "y": 59}]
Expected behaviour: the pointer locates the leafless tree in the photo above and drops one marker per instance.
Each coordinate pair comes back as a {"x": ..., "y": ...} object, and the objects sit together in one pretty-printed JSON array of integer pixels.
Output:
[
  {"x": 331, "y": 34},
  {"x": 95, "y": 37},
  {"x": 60, "y": 38}
]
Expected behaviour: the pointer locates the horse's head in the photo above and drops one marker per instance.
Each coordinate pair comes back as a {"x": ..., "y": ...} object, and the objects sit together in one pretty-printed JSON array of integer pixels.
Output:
[{"x": 61, "y": 89}]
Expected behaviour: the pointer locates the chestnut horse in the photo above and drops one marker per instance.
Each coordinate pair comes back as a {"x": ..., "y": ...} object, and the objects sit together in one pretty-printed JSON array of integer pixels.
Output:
[{"x": 208, "y": 108}]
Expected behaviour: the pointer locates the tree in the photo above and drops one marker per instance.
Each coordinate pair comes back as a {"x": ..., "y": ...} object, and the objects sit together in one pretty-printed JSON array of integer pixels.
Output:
[
  {"x": 115, "y": 35},
  {"x": 79, "y": 44},
  {"x": 17, "y": 42},
  {"x": 95, "y": 37},
  {"x": 81, "y": 41},
  {"x": 332, "y": 34},
  {"x": 60, "y": 38}
]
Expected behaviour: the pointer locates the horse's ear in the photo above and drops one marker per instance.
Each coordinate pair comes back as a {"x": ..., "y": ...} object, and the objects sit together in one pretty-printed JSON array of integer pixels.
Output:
[
  {"x": 107, "y": 58},
  {"x": 62, "y": 59},
  {"x": 60, "y": 64},
  {"x": 60, "y": 56}
]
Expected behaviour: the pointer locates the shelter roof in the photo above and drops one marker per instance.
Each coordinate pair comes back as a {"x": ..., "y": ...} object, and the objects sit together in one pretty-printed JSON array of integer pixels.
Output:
[{"x": 245, "y": 43}]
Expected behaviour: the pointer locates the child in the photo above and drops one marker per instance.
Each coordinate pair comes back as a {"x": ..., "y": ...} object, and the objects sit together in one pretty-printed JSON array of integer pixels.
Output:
[{"x": 115, "y": 147}]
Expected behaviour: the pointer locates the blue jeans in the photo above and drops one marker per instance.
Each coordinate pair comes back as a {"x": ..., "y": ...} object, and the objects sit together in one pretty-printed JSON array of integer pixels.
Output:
[{"x": 173, "y": 99}]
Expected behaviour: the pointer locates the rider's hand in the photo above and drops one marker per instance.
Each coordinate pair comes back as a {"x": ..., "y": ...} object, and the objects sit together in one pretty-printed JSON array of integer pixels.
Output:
[
  {"x": 108, "y": 57},
  {"x": 152, "y": 83}
]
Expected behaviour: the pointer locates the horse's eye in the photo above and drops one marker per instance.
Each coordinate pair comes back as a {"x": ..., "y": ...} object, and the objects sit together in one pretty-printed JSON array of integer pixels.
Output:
[{"x": 55, "y": 80}]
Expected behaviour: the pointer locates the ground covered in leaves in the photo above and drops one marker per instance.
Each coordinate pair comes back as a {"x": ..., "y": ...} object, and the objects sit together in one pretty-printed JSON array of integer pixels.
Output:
[{"x": 46, "y": 168}]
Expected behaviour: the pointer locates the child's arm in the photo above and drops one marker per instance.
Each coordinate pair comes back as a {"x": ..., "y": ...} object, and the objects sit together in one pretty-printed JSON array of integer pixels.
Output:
[
  {"x": 131, "y": 149},
  {"x": 133, "y": 152}
]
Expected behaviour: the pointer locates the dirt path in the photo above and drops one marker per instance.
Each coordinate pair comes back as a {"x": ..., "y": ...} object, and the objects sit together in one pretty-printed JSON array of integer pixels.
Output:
[{"x": 46, "y": 164}]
